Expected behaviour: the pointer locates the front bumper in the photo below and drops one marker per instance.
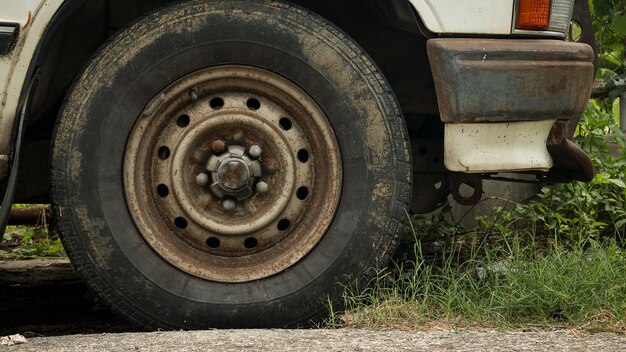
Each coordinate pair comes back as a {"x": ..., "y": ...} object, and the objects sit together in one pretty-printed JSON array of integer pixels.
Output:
[
  {"x": 508, "y": 93},
  {"x": 502, "y": 80}
]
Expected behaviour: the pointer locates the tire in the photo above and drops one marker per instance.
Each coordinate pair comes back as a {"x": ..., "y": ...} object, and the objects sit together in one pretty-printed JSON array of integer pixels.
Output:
[{"x": 198, "y": 84}]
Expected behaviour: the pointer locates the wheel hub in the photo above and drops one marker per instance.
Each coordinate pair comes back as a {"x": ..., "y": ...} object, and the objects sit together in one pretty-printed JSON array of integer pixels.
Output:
[{"x": 232, "y": 174}]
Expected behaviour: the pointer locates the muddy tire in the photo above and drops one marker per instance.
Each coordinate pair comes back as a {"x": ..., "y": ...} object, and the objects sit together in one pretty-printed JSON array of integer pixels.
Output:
[{"x": 229, "y": 164}]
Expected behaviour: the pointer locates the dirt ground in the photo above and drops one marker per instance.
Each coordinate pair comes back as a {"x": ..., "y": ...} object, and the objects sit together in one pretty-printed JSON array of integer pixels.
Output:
[{"x": 46, "y": 297}]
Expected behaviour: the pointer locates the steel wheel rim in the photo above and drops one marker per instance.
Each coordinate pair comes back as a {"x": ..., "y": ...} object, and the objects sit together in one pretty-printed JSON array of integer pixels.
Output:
[{"x": 194, "y": 152}]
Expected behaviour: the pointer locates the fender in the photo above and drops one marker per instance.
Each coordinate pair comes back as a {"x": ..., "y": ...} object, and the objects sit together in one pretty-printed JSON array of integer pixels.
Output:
[{"x": 35, "y": 18}]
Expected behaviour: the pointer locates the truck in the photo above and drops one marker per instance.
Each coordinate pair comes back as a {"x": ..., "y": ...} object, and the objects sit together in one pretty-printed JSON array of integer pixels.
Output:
[{"x": 238, "y": 163}]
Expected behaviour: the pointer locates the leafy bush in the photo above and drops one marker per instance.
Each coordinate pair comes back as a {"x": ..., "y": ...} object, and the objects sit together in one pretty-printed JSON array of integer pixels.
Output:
[
  {"x": 609, "y": 22},
  {"x": 579, "y": 211}
]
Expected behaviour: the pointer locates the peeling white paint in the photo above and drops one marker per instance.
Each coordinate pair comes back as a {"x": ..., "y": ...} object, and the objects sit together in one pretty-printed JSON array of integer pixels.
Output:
[{"x": 498, "y": 146}]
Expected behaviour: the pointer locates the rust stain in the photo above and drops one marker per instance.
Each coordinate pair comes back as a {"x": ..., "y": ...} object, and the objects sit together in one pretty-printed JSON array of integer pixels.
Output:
[
  {"x": 28, "y": 20},
  {"x": 523, "y": 80}
]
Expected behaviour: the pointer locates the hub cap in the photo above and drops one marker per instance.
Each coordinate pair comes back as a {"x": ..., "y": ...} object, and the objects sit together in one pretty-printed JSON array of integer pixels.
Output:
[{"x": 232, "y": 174}]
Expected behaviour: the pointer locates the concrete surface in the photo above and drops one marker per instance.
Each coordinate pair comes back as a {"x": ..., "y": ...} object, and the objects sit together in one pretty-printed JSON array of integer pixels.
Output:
[{"x": 327, "y": 340}]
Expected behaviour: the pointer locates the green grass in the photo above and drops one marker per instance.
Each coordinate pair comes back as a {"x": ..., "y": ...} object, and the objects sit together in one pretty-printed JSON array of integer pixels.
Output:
[
  {"x": 557, "y": 261},
  {"x": 511, "y": 284}
]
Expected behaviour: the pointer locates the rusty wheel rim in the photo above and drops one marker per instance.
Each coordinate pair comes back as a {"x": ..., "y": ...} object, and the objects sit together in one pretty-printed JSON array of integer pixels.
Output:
[{"x": 232, "y": 174}]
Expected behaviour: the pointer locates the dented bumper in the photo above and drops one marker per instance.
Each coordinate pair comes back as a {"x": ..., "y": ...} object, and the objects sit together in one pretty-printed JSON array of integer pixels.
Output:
[
  {"x": 508, "y": 93},
  {"x": 502, "y": 80}
]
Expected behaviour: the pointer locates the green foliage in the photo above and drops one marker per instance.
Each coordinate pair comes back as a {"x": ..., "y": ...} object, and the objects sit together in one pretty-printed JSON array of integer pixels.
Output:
[
  {"x": 581, "y": 211},
  {"x": 31, "y": 241},
  {"x": 609, "y": 22}
]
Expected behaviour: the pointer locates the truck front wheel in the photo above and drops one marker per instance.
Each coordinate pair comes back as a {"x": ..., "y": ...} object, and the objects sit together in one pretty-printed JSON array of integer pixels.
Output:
[{"x": 229, "y": 164}]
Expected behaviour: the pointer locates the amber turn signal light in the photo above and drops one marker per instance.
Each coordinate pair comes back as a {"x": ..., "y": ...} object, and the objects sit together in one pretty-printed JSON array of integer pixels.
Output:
[{"x": 533, "y": 14}]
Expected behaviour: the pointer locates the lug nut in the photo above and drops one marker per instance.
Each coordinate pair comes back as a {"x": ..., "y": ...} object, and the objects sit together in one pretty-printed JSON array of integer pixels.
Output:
[
  {"x": 219, "y": 146},
  {"x": 262, "y": 187},
  {"x": 255, "y": 151},
  {"x": 202, "y": 179},
  {"x": 229, "y": 204}
]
